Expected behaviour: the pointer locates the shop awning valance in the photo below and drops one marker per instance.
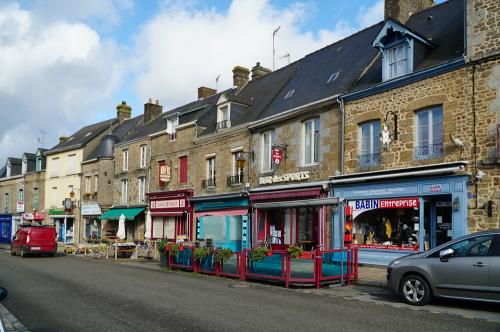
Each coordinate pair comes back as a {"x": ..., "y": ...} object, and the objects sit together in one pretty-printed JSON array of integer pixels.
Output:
[
  {"x": 234, "y": 212},
  {"x": 297, "y": 203},
  {"x": 129, "y": 213}
]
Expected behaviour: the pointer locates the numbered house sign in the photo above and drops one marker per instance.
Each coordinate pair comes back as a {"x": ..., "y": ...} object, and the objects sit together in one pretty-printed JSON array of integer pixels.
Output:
[{"x": 277, "y": 155}]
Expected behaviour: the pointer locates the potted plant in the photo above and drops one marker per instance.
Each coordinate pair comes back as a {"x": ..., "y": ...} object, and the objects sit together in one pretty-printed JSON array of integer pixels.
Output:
[
  {"x": 223, "y": 254},
  {"x": 295, "y": 251},
  {"x": 174, "y": 248},
  {"x": 161, "y": 246},
  {"x": 258, "y": 253},
  {"x": 202, "y": 252}
]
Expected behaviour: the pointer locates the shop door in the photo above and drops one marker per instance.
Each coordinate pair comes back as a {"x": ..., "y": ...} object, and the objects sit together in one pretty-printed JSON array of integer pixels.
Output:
[
  {"x": 437, "y": 221},
  {"x": 5, "y": 230},
  {"x": 276, "y": 229}
]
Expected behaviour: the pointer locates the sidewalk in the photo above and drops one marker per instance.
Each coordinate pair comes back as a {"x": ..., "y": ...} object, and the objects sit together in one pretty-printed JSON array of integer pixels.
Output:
[{"x": 9, "y": 322}]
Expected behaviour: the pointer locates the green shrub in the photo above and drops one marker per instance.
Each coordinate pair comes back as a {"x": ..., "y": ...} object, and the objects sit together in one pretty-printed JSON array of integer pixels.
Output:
[
  {"x": 202, "y": 252},
  {"x": 258, "y": 253},
  {"x": 223, "y": 254}
]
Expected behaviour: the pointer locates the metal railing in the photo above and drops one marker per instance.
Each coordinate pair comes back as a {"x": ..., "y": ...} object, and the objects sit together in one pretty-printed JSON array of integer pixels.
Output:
[
  {"x": 223, "y": 124},
  {"x": 429, "y": 151},
  {"x": 370, "y": 159},
  {"x": 235, "y": 179},
  {"x": 208, "y": 183}
]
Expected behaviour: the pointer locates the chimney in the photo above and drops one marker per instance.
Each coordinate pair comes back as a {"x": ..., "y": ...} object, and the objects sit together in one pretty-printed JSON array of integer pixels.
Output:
[
  {"x": 63, "y": 139},
  {"x": 240, "y": 76},
  {"x": 204, "y": 92},
  {"x": 259, "y": 71},
  {"x": 123, "y": 111},
  {"x": 152, "y": 111},
  {"x": 402, "y": 9}
]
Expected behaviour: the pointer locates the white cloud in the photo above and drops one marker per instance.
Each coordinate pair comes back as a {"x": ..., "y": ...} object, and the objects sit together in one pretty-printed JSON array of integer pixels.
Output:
[
  {"x": 54, "y": 77},
  {"x": 371, "y": 15},
  {"x": 184, "y": 47}
]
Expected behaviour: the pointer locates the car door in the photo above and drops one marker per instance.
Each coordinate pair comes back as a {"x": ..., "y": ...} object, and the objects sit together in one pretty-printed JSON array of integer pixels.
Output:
[
  {"x": 465, "y": 274},
  {"x": 494, "y": 272}
]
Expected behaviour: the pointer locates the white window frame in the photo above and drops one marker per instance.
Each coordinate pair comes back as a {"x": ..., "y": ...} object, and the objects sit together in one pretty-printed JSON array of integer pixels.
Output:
[
  {"x": 144, "y": 153},
  {"x": 9, "y": 169},
  {"x": 313, "y": 154},
  {"x": 142, "y": 189},
  {"x": 54, "y": 169},
  {"x": 87, "y": 184},
  {"x": 6, "y": 202},
  {"x": 371, "y": 151},
  {"x": 266, "y": 164},
  {"x": 211, "y": 167},
  {"x": 71, "y": 163},
  {"x": 394, "y": 58},
  {"x": 235, "y": 169},
  {"x": 25, "y": 165},
  {"x": 224, "y": 114},
  {"x": 172, "y": 124},
  {"x": 38, "y": 163},
  {"x": 431, "y": 141},
  {"x": 125, "y": 159},
  {"x": 124, "y": 198}
]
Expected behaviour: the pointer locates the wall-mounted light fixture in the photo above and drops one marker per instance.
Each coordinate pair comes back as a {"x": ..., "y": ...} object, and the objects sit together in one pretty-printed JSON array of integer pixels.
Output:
[{"x": 385, "y": 134}]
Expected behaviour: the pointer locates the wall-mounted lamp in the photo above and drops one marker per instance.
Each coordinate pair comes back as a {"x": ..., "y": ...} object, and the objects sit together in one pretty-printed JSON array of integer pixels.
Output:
[
  {"x": 385, "y": 135},
  {"x": 456, "y": 204}
]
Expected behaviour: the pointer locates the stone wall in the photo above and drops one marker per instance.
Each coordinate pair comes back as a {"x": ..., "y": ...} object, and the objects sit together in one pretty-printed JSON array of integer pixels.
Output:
[
  {"x": 11, "y": 186},
  {"x": 483, "y": 28},
  {"x": 31, "y": 181}
]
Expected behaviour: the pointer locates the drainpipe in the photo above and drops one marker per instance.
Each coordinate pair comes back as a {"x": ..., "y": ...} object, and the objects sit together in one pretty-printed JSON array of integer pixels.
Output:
[
  {"x": 341, "y": 206},
  {"x": 342, "y": 116}
]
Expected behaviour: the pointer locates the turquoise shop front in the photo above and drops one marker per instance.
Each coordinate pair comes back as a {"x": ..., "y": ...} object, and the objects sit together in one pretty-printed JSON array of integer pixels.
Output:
[
  {"x": 387, "y": 217},
  {"x": 223, "y": 219}
]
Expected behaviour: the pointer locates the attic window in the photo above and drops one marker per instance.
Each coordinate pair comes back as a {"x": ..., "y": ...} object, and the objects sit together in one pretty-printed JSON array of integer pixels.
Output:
[
  {"x": 289, "y": 94},
  {"x": 88, "y": 134},
  {"x": 332, "y": 77}
]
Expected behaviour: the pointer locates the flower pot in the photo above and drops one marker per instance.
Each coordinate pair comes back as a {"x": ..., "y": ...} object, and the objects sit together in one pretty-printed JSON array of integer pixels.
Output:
[{"x": 164, "y": 260}]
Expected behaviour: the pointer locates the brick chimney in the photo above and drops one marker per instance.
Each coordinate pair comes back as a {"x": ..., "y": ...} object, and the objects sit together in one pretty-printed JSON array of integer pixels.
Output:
[
  {"x": 204, "y": 92},
  {"x": 123, "y": 111},
  {"x": 240, "y": 76},
  {"x": 152, "y": 111},
  {"x": 259, "y": 71},
  {"x": 402, "y": 9}
]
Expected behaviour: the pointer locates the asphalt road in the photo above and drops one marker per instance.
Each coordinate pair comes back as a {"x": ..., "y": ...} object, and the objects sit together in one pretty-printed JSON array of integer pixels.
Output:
[{"x": 73, "y": 294}]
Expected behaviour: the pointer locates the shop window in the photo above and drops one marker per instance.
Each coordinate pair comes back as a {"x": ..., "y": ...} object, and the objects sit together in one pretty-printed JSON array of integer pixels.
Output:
[
  {"x": 143, "y": 156},
  {"x": 183, "y": 169},
  {"x": 92, "y": 228},
  {"x": 267, "y": 147},
  {"x": 213, "y": 227},
  {"x": 311, "y": 141},
  {"x": 234, "y": 228},
  {"x": 369, "y": 148},
  {"x": 157, "y": 229},
  {"x": 429, "y": 133},
  {"x": 383, "y": 224},
  {"x": 169, "y": 227}
]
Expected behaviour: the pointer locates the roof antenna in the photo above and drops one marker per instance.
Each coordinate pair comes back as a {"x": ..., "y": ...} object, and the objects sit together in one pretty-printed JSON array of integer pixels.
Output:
[
  {"x": 274, "y": 50},
  {"x": 287, "y": 56},
  {"x": 41, "y": 141},
  {"x": 217, "y": 83}
]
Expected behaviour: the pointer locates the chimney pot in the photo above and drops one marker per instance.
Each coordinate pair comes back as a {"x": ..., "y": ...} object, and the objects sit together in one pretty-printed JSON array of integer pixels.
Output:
[
  {"x": 152, "y": 111},
  {"x": 259, "y": 71},
  {"x": 240, "y": 76},
  {"x": 401, "y": 10},
  {"x": 204, "y": 92}
]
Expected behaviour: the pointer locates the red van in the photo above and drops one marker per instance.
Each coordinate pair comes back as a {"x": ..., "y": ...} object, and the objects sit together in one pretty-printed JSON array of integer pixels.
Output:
[{"x": 34, "y": 240}]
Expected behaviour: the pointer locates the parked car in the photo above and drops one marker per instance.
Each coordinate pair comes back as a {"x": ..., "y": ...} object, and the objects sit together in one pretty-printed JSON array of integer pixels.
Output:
[
  {"x": 465, "y": 268},
  {"x": 34, "y": 240}
]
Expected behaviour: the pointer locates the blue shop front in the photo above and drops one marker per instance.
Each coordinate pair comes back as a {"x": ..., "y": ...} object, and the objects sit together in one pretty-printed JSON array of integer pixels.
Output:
[
  {"x": 223, "y": 220},
  {"x": 5, "y": 228},
  {"x": 389, "y": 214}
]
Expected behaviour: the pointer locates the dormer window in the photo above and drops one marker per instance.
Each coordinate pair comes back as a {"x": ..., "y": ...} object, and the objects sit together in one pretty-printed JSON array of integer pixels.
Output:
[
  {"x": 397, "y": 61},
  {"x": 38, "y": 165},
  {"x": 25, "y": 165},
  {"x": 172, "y": 124},
  {"x": 223, "y": 117}
]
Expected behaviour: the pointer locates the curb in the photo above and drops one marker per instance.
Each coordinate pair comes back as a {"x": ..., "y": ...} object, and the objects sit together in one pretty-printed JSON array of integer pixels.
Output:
[{"x": 9, "y": 323}]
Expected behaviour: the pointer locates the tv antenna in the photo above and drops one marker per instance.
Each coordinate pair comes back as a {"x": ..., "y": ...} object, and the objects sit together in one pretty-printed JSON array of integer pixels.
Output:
[
  {"x": 274, "y": 50},
  {"x": 217, "y": 82},
  {"x": 41, "y": 140},
  {"x": 287, "y": 56}
]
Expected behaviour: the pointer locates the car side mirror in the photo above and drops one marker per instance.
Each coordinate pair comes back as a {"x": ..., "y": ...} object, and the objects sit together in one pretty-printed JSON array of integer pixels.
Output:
[
  {"x": 445, "y": 254},
  {"x": 3, "y": 293}
]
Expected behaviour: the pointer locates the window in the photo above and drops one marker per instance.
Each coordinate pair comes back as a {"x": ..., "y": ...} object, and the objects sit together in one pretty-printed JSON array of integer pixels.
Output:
[
  {"x": 72, "y": 164},
  {"x": 35, "y": 198},
  {"x": 397, "y": 61},
  {"x": 25, "y": 165},
  {"x": 125, "y": 160},
  {"x": 54, "y": 170},
  {"x": 223, "y": 117},
  {"x": 172, "y": 123},
  {"x": 289, "y": 94},
  {"x": 429, "y": 133},
  {"x": 210, "y": 177},
  {"x": 267, "y": 146},
  {"x": 142, "y": 189},
  {"x": 87, "y": 184},
  {"x": 473, "y": 247},
  {"x": 21, "y": 195},
  {"x": 38, "y": 163},
  {"x": 311, "y": 141},
  {"x": 369, "y": 149},
  {"x": 143, "y": 155},
  {"x": 237, "y": 169},
  {"x": 183, "y": 168},
  {"x": 124, "y": 192},
  {"x": 6, "y": 202},
  {"x": 96, "y": 182}
]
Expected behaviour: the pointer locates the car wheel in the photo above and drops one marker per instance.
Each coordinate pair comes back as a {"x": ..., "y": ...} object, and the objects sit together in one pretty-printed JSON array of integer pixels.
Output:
[
  {"x": 23, "y": 254},
  {"x": 415, "y": 291}
]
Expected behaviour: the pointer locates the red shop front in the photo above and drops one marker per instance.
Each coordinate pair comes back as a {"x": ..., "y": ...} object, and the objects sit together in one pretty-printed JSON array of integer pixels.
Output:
[
  {"x": 171, "y": 215},
  {"x": 301, "y": 217}
]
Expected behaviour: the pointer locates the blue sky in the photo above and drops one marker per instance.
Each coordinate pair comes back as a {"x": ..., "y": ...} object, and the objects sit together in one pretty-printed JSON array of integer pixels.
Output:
[{"x": 66, "y": 64}]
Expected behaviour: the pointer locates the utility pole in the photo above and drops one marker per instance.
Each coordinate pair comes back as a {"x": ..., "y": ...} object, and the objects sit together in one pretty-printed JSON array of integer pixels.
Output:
[{"x": 274, "y": 50}]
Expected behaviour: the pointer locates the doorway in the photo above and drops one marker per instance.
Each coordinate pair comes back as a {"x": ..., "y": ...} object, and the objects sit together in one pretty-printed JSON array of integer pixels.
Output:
[{"x": 438, "y": 224}]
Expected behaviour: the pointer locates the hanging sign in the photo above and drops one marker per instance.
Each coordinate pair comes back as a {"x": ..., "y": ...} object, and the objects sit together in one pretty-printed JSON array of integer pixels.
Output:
[
  {"x": 277, "y": 155},
  {"x": 20, "y": 206},
  {"x": 164, "y": 173}
]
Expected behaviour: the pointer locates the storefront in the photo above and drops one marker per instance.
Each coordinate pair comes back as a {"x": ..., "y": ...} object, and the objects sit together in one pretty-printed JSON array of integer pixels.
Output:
[
  {"x": 223, "y": 220},
  {"x": 292, "y": 215},
  {"x": 388, "y": 214},
  {"x": 171, "y": 215},
  {"x": 64, "y": 224},
  {"x": 33, "y": 218},
  {"x": 134, "y": 223},
  {"x": 6, "y": 228},
  {"x": 91, "y": 213}
]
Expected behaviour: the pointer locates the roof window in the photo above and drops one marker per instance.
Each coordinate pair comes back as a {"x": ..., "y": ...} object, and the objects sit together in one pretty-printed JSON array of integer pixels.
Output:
[
  {"x": 289, "y": 94},
  {"x": 332, "y": 77}
]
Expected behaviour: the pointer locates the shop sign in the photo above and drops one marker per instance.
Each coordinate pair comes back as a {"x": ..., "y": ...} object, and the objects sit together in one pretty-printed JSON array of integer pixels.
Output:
[
  {"x": 299, "y": 176},
  {"x": 33, "y": 216},
  {"x": 20, "y": 206},
  {"x": 57, "y": 211},
  {"x": 91, "y": 209},
  {"x": 436, "y": 188},
  {"x": 360, "y": 206},
  {"x": 277, "y": 155},
  {"x": 168, "y": 204},
  {"x": 164, "y": 173}
]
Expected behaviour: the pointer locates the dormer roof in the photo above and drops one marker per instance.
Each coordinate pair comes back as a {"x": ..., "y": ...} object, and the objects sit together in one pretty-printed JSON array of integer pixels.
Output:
[{"x": 393, "y": 28}]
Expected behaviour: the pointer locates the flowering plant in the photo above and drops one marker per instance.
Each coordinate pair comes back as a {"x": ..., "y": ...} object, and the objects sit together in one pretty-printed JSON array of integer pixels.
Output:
[
  {"x": 202, "y": 252},
  {"x": 295, "y": 251},
  {"x": 223, "y": 254},
  {"x": 258, "y": 253}
]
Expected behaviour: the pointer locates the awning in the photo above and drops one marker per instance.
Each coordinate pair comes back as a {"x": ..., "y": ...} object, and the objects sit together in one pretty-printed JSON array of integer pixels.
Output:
[
  {"x": 129, "y": 213},
  {"x": 236, "y": 212},
  {"x": 298, "y": 203}
]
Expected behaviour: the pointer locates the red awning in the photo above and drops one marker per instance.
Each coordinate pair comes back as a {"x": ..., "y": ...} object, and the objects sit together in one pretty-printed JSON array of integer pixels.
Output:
[
  {"x": 285, "y": 195},
  {"x": 237, "y": 212},
  {"x": 166, "y": 214}
]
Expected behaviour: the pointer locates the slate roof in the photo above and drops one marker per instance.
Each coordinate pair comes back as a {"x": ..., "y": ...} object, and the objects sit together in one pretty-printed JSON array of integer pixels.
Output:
[
  {"x": 82, "y": 136},
  {"x": 15, "y": 166},
  {"x": 445, "y": 30},
  {"x": 3, "y": 171},
  {"x": 31, "y": 158}
]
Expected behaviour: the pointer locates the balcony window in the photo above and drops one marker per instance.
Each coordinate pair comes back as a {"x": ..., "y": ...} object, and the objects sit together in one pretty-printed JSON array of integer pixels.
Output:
[
  {"x": 369, "y": 149},
  {"x": 429, "y": 133},
  {"x": 237, "y": 170},
  {"x": 210, "y": 176},
  {"x": 223, "y": 118}
]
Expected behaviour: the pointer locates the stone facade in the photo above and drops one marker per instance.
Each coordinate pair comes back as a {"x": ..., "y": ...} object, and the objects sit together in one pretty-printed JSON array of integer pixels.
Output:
[
  {"x": 11, "y": 187},
  {"x": 31, "y": 181},
  {"x": 483, "y": 28}
]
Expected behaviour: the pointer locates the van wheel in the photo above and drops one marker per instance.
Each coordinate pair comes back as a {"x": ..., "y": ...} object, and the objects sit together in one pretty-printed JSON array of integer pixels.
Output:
[{"x": 414, "y": 290}]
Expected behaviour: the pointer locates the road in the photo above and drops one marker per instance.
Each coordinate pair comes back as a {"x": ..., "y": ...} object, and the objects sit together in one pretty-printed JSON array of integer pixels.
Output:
[{"x": 74, "y": 294}]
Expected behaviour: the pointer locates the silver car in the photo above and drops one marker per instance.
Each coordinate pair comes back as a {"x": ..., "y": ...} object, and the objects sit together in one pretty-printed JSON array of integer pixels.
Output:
[{"x": 465, "y": 268}]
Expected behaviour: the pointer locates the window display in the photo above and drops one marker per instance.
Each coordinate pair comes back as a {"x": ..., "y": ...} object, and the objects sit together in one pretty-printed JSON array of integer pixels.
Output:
[{"x": 383, "y": 224}]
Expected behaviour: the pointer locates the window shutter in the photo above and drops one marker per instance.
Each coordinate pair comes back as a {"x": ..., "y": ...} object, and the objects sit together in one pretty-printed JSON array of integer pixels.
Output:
[{"x": 183, "y": 169}]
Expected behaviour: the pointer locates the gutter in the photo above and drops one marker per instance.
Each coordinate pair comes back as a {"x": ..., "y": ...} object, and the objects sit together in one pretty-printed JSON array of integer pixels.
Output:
[
  {"x": 291, "y": 112},
  {"x": 291, "y": 186}
]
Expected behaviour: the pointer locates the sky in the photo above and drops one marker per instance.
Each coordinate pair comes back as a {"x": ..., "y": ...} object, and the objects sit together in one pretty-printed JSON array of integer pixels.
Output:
[{"x": 66, "y": 64}]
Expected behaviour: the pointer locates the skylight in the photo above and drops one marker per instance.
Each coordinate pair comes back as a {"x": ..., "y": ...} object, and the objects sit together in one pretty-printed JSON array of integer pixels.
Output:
[
  {"x": 289, "y": 94},
  {"x": 88, "y": 134},
  {"x": 332, "y": 77}
]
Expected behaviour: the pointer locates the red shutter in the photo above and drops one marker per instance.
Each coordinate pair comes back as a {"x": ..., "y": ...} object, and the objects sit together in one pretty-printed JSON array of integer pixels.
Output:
[{"x": 183, "y": 167}]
